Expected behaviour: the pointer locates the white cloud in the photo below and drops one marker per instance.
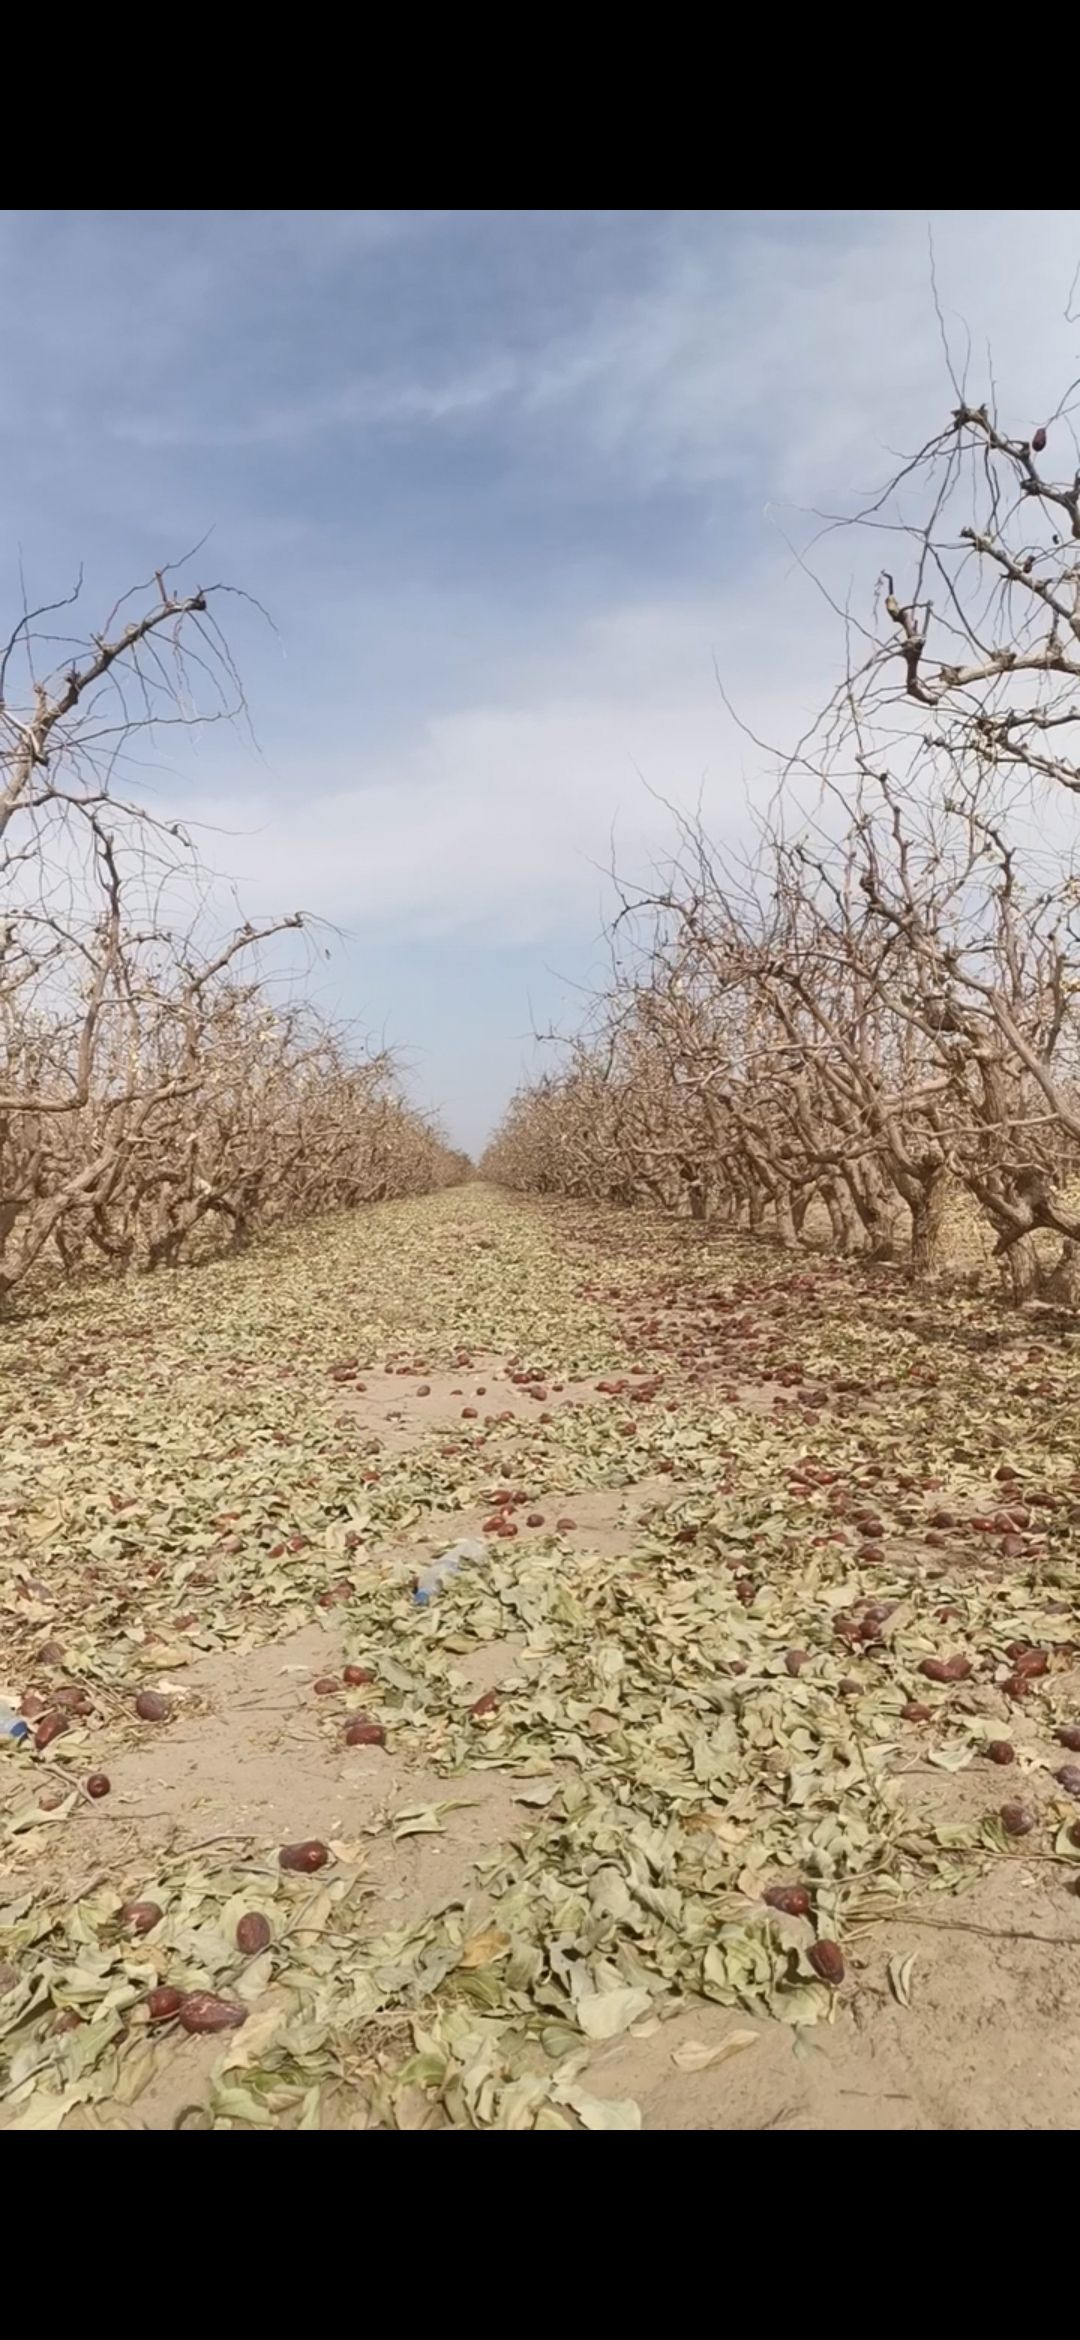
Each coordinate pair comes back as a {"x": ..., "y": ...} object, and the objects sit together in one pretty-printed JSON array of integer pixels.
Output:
[
  {"x": 501, "y": 820},
  {"x": 805, "y": 356},
  {"x": 801, "y": 366},
  {"x": 761, "y": 368}
]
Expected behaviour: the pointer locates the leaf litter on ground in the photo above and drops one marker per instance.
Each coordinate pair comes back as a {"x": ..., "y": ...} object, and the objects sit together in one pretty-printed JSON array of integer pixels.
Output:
[{"x": 712, "y": 1711}]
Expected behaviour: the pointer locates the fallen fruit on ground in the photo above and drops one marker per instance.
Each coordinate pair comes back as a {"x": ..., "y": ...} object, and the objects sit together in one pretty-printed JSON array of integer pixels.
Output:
[
  {"x": 72, "y": 1698},
  {"x": 794, "y": 1900},
  {"x": 308, "y": 1855},
  {"x": 150, "y": 1706},
  {"x": 49, "y": 1728},
  {"x": 203, "y": 2011},
  {"x": 252, "y": 1932},
  {"x": 163, "y": 2003},
  {"x": 140, "y": 1917}
]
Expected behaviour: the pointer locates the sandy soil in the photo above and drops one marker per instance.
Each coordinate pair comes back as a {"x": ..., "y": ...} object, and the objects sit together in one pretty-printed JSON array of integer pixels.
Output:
[
  {"x": 990, "y": 2034},
  {"x": 991, "y": 2038}
]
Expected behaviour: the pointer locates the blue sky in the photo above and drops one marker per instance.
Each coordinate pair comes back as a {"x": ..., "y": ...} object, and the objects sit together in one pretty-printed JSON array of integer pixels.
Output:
[{"x": 509, "y": 485}]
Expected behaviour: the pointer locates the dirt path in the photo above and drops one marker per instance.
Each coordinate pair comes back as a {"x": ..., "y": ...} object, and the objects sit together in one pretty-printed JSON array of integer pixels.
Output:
[{"x": 681, "y": 1678}]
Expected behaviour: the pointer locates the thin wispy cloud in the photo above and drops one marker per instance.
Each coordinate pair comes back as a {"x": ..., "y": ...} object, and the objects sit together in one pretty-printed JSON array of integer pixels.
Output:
[{"x": 356, "y": 406}]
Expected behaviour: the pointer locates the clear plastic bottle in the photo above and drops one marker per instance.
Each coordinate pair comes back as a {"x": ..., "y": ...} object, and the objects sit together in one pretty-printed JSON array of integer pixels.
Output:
[{"x": 434, "y": 1577}]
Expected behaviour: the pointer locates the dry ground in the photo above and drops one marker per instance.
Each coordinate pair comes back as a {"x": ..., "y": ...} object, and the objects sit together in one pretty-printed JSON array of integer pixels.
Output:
[{"x": 693, "y": 1669}]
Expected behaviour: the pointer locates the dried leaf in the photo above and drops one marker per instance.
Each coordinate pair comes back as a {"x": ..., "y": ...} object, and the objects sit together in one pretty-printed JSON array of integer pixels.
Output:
[
  {"x": 695, "y": 2055},
  {"x": 899, "y": 1971},
  {"x": 598, "y": 2112},
  {"x": 603, "y": 2014},
  {"x": 483, "y": 1949},
  {"x": 421, "y": 1820}
]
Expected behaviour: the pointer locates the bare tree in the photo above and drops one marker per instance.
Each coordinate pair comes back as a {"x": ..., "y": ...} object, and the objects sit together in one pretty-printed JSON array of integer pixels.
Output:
[
  {"x": 149, "y": 1090},
  {"x": 877, "y": 1012}
]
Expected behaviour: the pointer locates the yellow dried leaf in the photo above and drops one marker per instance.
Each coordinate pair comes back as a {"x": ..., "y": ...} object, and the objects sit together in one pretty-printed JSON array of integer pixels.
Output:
[{"x": 484, "y": 1949}]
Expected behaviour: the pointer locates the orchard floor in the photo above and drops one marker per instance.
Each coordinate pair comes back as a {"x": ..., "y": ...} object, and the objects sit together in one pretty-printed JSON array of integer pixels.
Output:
[{"x": 682, "y": 1680}]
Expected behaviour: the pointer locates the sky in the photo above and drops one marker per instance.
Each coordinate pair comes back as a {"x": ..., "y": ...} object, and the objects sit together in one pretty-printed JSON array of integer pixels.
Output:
[{"x": 519, "y": 491}]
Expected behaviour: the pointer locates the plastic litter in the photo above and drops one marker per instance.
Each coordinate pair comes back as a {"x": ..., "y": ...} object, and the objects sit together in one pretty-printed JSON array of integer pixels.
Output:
[
  {"x": 447, "y": 1565},
  {"x": 12, "y": 1725}
]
